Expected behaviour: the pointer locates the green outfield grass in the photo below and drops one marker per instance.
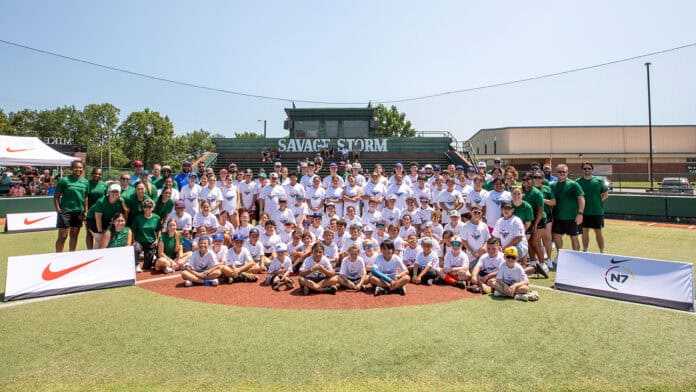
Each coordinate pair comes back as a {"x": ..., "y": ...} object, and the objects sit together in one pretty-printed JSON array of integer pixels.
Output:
[{"x": 133, "y": 339}]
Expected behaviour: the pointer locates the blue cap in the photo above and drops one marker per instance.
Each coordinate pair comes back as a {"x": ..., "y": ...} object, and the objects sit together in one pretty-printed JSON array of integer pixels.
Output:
[
  {"x": 193, "y": 175},
  {"x": 471, "y": 169},
  {"x": 218, "y": 237},
  {"x": 436, "y": 167},
  {"x": 399, "y": 164},
  {"x": 460, "y": 167},
  {"x": 238, "y": 237},
  {"x": 333, "y": 164}
]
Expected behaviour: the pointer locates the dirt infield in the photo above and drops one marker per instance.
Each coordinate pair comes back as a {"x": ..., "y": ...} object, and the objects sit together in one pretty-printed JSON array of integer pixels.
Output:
[{"x": 254, "y": 295}]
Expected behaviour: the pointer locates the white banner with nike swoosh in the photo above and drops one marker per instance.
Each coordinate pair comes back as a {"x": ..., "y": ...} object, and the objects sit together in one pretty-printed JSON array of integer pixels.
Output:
[
  {"x": 656, "y": 282},
  {"x": 31, "y": 221},
  {"x": 68, "y": 272}
]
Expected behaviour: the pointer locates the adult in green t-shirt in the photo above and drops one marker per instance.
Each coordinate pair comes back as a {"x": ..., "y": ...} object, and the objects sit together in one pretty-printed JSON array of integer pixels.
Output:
[
  {"x": 134, "y": 202},
  {"x": 570, "y": 206},
  {"x": 95, "y": 191},
  {"x": 549, "y": 202},
  {"x": 146, "y": 229},
  {"x": 118, "y": 234},
  {"x": 535, "y": 199},
  {"x": 596, "y": 191},
  {"x": 170, "y": 252},
  {"x": 99, "y": 216},
  {"x": 70, "y": 202}
]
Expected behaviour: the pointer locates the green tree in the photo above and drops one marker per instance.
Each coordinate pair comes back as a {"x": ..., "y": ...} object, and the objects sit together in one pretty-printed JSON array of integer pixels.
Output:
[
  {"x": 392, "y": 123},
  {"x": 196, "y": 143},
  {"x": 6, "y": 128},
  {"x": 99, "y": 122},
  {"x": 247, "y": 135},
  {"x": 147, "y": 136},
  {"x": 23, "y": 122}
]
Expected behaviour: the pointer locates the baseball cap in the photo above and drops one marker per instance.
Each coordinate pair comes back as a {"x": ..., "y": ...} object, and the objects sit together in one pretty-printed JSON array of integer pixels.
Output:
[
  {"x": 274, "y": 175},
  {"x": 263, "y": 175},
  {"x": 310, "y": 164},
  {"x": 471, "y": 169},
  {"x": 426, "y": 241},
  {"x": 349, "y": 166},
  {"x": 115, "y": 188},
  {"x": 316, "y": 215},
  {"x": 277, "y": 164},
  {"x": 368, "y": 228},
  {"x": 254, "y": 231},
  {"x": 357, "y": 165},
  {"x": 391, "y": 197},
  {"x": 145, "y": 172},
  {"x": 282, "y": 198},
  {"x": 209, "y": 171},
  {"x": 454, "y": 213},
  {"x": 481, "y": 164},
  {"x": 399, "y": 164},
  {"x": 238, "y": 237},
  {"x": 186, "y": 163},
  {"x": 218, "y": 237},
  {"x": 330, "y": 204},
  {"x": 179, "y": 204},
  {"x": 506, "y": 204},
  {"x": 333, "y": 164},
  {"x": 138, "y": 163},
  {"x": 459, "y": 167},
  {"x": 496, "y": 159},
  {"x": 424, "y": 198},
  {"x": 428, "y": 166},
  {"x": 232, "y": 166},
  {"x": 411, "y": 198},
  {"x": 342, "y": 164},
  {"x": 436, "y": 167},
  {"x": 511, "y": 251},
  {"x": 192, "y": 175},
  {"x": 166, "y": 167},
  {"x": 281, "y": 247},
  {"x": 303, "y": 164}
]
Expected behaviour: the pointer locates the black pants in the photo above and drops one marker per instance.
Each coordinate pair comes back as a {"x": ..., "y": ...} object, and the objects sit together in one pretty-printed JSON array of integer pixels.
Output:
[{"x": 149, "y": 250}]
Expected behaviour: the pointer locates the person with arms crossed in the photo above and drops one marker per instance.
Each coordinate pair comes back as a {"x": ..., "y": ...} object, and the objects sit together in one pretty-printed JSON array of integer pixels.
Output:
[
  {"x": 596, "y": 191},
  {"x": 569, "y": 210}
]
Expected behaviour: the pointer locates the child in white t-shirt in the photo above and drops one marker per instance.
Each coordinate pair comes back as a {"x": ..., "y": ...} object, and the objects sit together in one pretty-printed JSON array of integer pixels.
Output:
[
  {"x": 280, "y": 269},
  {"x": 511, "y": 280},
  {"x": 352, "y": 274},
  {"x": 456, "y": 270}
]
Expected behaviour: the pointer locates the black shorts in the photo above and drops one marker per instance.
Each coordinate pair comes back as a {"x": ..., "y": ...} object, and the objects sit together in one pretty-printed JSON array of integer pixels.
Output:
[
  {"x": 91, "y": 224},
  {"x": 68, "y": 219},
  {"x": 542, "y": 223},
  {"x": 315, "y": 279},
  {"x": 593, "y": 221},
  {"x": 568, "y": 227},
  {"x": 355, "y": 281}
]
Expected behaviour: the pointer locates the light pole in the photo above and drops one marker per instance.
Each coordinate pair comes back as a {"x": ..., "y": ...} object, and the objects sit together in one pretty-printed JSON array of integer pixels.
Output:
[
  {"x": 650, "y": 163},
  {"x": 264, "y": 127}
]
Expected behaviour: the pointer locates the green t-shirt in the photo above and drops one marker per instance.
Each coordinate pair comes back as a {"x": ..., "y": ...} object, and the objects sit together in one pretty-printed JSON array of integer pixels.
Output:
[
  {"x": 162, "y": 209},
  {"x": 169, "y": 244},
  {"x": 535, "y": 199},
  {"x": 159, "y": 183},
  {"x": 73, "y": 192},
  {"x": 107, "y": 209},
  {"x": 524, "y": 212},
  {"x": 567, "y": 193},
  {"x": 593, "y": 188},
  {"x": 488, "y": 186},
  {"x": 548, "y": 195},
  {"x": 146, "y": 229},
  {"x": 135, "y": 207},
  {"x": 150, "y": 190},
  {"x": 118, "y": 239},
  {"x": 95, "y": 191},
  {"x": 126, "y": 193}
]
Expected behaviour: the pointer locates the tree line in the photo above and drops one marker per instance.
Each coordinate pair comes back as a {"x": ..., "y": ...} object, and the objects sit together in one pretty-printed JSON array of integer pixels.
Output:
[{"x": 144, "y": 135}]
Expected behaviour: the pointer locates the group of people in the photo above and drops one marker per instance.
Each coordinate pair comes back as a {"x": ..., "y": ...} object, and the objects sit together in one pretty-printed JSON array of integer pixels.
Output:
[
  {"x": 29, "y": 181},
  {"x": 473, "y": 228}
]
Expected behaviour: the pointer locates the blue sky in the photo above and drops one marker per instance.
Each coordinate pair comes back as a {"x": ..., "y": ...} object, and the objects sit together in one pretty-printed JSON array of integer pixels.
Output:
[{"x": 353, "y": 52}]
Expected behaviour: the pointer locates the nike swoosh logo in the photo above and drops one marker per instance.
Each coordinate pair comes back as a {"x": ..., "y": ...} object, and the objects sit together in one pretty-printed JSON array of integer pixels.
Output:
[
  {"x": 618, "y": 261},
  {"x": 51, "y": 275},
  {"x": 17, "y": 150},
  {"x": 31, "y": 222}
]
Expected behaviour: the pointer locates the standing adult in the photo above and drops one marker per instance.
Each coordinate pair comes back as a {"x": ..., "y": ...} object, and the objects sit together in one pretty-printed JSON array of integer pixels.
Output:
[
  {"x": 70, "y": 202},
  {"x": 95, "y": 191},
  {"x": 182, "y": 178},
  {"x": 146, "y": 230},
  {"x": 569, "y": 210},
  {"x": 596, "y": 191},
  {"x": 138, "y": 167}
]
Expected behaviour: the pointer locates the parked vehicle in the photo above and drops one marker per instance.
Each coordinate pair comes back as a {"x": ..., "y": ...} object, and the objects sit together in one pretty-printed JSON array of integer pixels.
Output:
[{"x": 676, "y": 185}]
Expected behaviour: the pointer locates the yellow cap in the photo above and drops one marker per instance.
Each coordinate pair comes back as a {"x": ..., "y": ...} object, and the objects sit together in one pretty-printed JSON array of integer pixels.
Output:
[{"x": 511, "y": 251}]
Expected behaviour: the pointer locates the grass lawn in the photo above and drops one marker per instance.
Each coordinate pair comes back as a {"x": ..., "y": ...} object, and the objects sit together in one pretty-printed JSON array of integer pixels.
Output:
[{"x": 133, "y": 339}]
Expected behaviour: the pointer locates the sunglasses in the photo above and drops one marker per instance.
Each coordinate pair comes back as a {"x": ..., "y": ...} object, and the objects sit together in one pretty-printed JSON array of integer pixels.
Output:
[
  {"x": 537, "y": 177},
  {"x": 148, "y": 207},
  {"x": 476, "y": 212},
  {"x": 125, "y": 179},
  {"x": 527, "y": 179},
  {"x": 510, "y": 257},
  {"x": 456, "y": 243},
  {"x": 380, "y": 226},
  {"x": 586, "y": 168},
  {"x": 561, "y": 171}
]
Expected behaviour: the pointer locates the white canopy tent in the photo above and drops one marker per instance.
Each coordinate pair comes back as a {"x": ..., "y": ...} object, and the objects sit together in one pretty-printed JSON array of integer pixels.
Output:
[{"x": 30, "y": 151}]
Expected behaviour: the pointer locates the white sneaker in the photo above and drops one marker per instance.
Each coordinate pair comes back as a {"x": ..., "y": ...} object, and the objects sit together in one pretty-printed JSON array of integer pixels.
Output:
[
  {"x": 230, "y": 280},
  {"x": 521, "y": 297},
  {"x": 138, "y": 269},
  {"x": 168, "y": 270},
  {"x": 214, "y": 282},
  {"x": 497, "y": 293},
  {"x": 533, "y": 296},
  {"x": 544, "y": 267},
  {"x": 549, "y": 264},
  {"x": 188, "y": 283}
]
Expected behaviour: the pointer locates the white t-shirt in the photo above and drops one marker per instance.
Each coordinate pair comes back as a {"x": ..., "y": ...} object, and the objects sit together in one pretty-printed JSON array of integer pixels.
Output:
[
  {"x": 508, "y": 229},
  {"x": 248, "y": 192},
  {"x": 212, "y": 196},
  {"x": 238, "y": 259},
  {"x": 202, "y": 263},
  {"x": 493, "y": 205},
  {"x": 190, "y": 197},
  {"x": 277, "y": 265},
  {"x": 390, "y": 268},
  {"x": 476, "y": 198},
  {"x": 371, "y": 218},
  {"x": 269, "y": 241},
  {"x": 489, "y": 264},
  {"x": 409, "y": 254},
  {"x": 430, "y": 260},
  {"x": 229, "y": 199},
  {"x": 330, "y": 251},
  {"x": 352, "y": 269},
  {"x": 452, "y": 261},
  {"x": 183, "y": 222},
  {"x": 255, "y": 250},
  {"x": 209, "y": 221},
  {"x": 512, "y": 275},
  {"x": 309, "y": 263},
  {"x": 475, "y": 235}
]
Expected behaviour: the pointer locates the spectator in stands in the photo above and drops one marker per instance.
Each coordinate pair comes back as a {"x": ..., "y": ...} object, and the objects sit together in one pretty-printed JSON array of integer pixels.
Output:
[{"x": 17, "y": 190}]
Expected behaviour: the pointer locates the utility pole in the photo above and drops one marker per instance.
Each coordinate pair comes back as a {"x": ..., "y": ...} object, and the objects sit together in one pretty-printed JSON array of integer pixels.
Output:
[{"x": 650, "y": 163}]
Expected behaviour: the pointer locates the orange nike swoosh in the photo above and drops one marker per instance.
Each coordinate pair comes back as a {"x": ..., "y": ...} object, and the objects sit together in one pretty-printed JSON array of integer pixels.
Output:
[
  {"x": 31, "y": 222},
  {"x": 17, "y": 149},
  {"x": 50, "y": 275}
]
